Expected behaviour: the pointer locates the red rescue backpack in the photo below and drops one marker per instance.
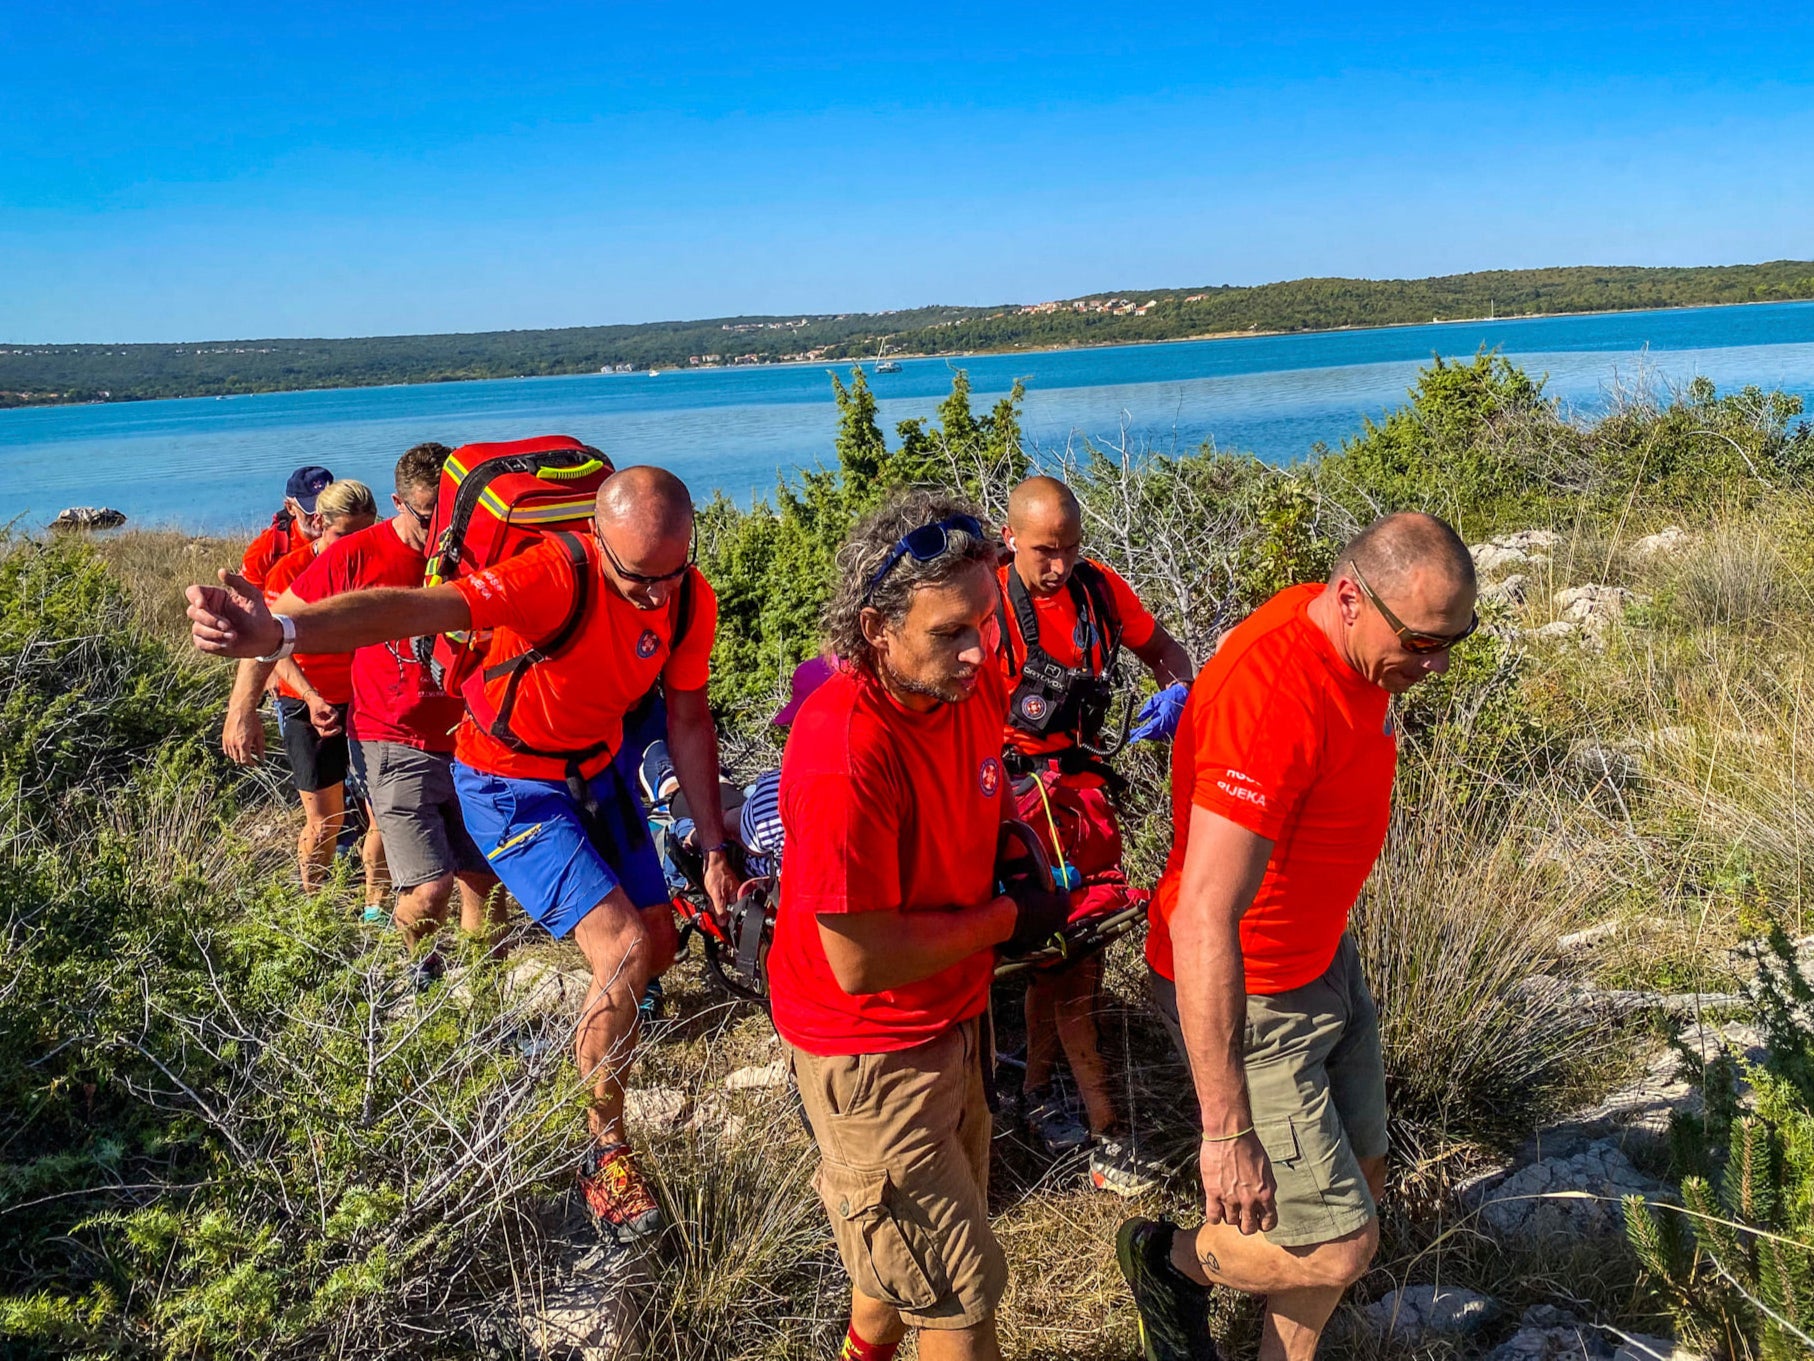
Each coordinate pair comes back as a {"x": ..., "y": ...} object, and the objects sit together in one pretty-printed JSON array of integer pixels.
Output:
[
  {"x": 1076, "y": 824},
  {"x": 497, "y": 500}
]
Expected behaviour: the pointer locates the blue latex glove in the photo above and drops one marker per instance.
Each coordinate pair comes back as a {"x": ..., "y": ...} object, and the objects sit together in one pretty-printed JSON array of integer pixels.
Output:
[{"x": 1158, "y": 717}]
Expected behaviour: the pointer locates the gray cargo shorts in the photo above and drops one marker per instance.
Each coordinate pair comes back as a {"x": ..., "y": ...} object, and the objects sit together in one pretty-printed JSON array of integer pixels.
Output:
[{"x": 418, "y": 813}]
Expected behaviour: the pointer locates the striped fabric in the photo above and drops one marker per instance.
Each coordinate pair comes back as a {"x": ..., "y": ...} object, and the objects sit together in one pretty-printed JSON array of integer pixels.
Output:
[{"x": 759, "y": 824}]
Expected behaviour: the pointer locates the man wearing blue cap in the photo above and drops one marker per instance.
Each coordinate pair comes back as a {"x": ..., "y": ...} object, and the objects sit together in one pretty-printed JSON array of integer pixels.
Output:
[{"x": 294, "y": 525}]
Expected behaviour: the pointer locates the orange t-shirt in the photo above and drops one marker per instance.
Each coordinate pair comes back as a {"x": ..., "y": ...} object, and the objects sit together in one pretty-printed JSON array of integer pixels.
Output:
[
  {"x": 329, "y": 672},
  {"x": 579, "y": 698},
  {"x": 1062, "y": 633},
  {"x": 1283, "y": 737},
  {"x": 279, "y": 538},
  {"x": 885, "y": 809}
]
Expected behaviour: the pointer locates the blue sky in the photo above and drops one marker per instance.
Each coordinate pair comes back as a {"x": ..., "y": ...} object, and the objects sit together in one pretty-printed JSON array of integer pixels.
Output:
[{"x": 198, "y": 171}]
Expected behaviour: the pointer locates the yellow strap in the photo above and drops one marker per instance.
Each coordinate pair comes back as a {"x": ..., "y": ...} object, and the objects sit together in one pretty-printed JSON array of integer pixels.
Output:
[{"x": 1052, "y": 822}]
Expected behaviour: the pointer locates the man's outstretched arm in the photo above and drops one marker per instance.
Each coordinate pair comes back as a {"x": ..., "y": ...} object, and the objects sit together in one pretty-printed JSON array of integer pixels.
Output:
[
  {"x": 232, "y": 619},
  {"x": 875, "y": 951}
]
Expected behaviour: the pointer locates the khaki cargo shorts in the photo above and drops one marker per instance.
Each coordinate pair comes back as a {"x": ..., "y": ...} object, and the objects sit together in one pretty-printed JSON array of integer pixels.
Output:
[
  {"x": 905, "y": 1141},
  {"x": 1316, "y": 1080}
]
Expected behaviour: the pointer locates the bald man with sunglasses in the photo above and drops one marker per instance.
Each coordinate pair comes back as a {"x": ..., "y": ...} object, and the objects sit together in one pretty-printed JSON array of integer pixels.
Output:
[
  {"x": 550, "y": 799},
  {"x": 1282, "y": 776}
]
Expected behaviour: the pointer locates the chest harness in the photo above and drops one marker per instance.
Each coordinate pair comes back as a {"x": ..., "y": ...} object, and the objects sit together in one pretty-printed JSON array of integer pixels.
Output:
[{"x": 1051, "y": 698}]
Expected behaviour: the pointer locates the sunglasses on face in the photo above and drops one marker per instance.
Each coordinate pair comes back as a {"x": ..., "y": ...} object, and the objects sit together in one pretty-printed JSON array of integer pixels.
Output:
[
  {"x": 1410, "y": 639},
  {"x": 640, "y": 578},
  {"x": 421, "y": 517},
  {"x": 923, "y": 545}
]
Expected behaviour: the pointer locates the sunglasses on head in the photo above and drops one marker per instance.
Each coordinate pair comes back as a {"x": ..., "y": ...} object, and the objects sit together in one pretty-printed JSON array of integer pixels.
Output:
[
  {"x": 1410, "y": 639},
  {"x": 923, "y": 545},
  {"x": 641, "y": 578}
]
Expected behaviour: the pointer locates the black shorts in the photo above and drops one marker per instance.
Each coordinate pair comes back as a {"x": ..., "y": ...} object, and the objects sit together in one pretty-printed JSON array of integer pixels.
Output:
[{"x": 316, "y": 762}]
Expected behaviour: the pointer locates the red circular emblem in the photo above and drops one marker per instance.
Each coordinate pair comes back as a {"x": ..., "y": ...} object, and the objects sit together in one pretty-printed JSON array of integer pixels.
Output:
[
  {"x": 647, "y": 645},
  {"x": 989, "y": 777},
  {"x": 1033, "y": 707}
]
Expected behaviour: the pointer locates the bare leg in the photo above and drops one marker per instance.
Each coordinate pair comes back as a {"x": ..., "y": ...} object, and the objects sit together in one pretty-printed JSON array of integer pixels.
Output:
[
  {"x": 1302, "y": 1285},
  {"x": 371, "y": 851},
  {"x": 975, "y": 1343},
  {"x": 482, "y": 908},
  {"x": 322, "y": 812},
  {"x": 625, "y": 948},
  {"x": 1042, "y": 1032},
  {"x": 874, "y": 1321},
  {"x": 1076, "y": 991},
  {"x": 422, "y": 909},
  {"x": 878, "y": 1322}
]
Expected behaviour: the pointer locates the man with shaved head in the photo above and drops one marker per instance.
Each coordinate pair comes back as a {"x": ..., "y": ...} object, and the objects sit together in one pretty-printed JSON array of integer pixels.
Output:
[
  {"x": 549, "y": 795},
  {"x": 1064, "y": 619},
  {"x": 1281, "y": 795}
]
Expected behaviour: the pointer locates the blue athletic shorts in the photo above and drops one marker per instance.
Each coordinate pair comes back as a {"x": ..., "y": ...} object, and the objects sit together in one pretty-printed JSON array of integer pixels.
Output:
[{"x": 533, "y": 838}]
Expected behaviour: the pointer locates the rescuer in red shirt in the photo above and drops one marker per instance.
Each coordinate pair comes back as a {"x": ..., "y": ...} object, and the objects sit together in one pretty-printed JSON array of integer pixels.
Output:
[
  {"x": 295, "y": 524},
  {"x": 892, "y": 797},
  {"x": 1060, "y": 681},
  {"x": 569, "y": 840},
  {"x": 1281, "y": 795}
]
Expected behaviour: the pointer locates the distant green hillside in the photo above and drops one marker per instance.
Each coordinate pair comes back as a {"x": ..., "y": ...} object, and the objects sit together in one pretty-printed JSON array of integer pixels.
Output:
[{"x": 41, "y": 374}]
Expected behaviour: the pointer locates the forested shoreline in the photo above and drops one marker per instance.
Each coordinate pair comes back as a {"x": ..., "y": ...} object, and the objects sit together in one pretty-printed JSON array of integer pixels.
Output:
[{"x": 44, "y": 374}]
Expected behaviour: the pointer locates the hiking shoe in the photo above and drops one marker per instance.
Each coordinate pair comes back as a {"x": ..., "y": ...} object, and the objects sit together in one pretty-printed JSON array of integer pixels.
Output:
[
  {"x": 1120, "y": 1167},
  {"x": 1173, "y": 1309},
  {"x": 425, "y": 972},
  {"x": 1050, "y": 1120},
  {"x": 616, "y": 1196},
  {"x": 648, "y": 1010}
]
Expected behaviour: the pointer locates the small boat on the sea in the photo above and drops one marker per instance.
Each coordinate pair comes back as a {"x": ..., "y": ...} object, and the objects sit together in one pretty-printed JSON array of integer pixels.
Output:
[
  {"x": 883, "y": 365},
  {"x": 654, "y": 373}
]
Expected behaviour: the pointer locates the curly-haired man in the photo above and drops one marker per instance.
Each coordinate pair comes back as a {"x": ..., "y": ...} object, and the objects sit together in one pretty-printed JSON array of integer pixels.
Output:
[{"x": 892, "y": 798}]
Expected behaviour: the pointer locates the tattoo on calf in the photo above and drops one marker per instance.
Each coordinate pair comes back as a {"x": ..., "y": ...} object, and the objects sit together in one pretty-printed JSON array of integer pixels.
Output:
[{"x": 1210, "y": 1264}]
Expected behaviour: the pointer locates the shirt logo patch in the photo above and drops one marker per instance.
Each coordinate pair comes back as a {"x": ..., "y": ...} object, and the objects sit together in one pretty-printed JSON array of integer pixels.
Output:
[
  {"x": 1033, "y": 708},
  {"x": 647, "y": 645},
  {"x": 988, "y": 779}
]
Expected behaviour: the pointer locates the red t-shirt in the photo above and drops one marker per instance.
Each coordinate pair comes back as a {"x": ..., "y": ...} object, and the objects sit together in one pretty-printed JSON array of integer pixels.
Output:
[
  {"x": 395, "y": 697},
  {"x": 579, "y": 698},
  {"x": 884, "y": 809},
  {"x": 1060, "y": 635},
  {"x": 328, "y": 672},
  {"x": 278, "y": 540},
  {"x": 1283, "y": 737}
]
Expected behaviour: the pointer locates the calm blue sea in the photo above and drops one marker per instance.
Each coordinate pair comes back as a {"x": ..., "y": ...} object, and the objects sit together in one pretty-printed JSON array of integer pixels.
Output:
[{"x": 217, "y": 465}]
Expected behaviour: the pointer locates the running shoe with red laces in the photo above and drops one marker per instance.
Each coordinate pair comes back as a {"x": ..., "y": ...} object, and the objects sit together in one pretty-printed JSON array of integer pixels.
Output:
[{"x": 616, "y": 1196}]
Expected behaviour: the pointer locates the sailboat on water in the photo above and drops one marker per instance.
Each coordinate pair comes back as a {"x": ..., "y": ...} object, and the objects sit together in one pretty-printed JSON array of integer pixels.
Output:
[{"x": 885, "y": 365}]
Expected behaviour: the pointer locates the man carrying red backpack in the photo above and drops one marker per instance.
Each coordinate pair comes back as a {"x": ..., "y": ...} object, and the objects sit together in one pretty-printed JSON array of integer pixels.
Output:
[
  {"x": 541, "y": 779},
  {"x": 1064, "y": 619}
]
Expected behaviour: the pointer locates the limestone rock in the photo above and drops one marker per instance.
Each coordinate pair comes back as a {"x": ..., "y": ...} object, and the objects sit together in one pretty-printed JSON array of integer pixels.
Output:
[
  {"x": 1564, "y": 1197},
  {"x": 1664, "y": 543},
  {"x": 1601, "y": 763},
  {"x": 1490, "y": 558},
  {"x": 1569, "y": 1342},
  {"x": 1419, "y": 1309},
  {"x": 590, "y": 1312},
  {"x": 1512, "y": 590},
  {"x": 1530, "y": 540},
  {"x": 537, "y": 988},
  {"x": 89, "y": 517},
  {"x": 658, "y": 1110},
  {"x": 1643, "y": 1347},
  {"x": 1558, "y": 631},
  {"x": 750, "y": 1079},
  {"x": 1595, "y": 608}
]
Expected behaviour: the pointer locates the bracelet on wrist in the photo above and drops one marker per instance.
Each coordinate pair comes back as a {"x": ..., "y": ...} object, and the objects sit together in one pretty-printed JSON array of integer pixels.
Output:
[
  {"x": 1227, "y": 1138},
  {"x": 720, "y": 848},
  {"x": 288, "y": 644}
]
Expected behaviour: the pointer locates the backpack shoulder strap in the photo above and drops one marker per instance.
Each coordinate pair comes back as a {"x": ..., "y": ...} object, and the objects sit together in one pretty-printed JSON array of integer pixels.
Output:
[
  {"x": 1026, "y": 619},
  {"x": 1095, "y": 588},
  {"x": 683, "y": 611},
  {"x": 576, "y": 612}
]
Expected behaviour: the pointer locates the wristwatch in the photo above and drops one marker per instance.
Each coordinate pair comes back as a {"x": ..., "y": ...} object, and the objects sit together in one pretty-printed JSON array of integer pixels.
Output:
[
  {"x": 722, "y": 848},
  {"x": 288, "y": 645}
]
